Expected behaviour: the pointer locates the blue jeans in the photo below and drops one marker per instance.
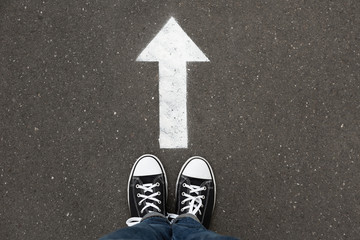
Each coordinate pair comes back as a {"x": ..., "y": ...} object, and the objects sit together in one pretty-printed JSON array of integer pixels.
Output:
[{"x": 159, "y": 228}]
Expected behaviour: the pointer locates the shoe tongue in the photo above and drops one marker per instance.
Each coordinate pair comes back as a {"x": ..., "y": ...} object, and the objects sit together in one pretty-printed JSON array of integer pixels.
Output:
[
  {"x": 150, "y": 178},
  {"x": 196, "y": 181}
]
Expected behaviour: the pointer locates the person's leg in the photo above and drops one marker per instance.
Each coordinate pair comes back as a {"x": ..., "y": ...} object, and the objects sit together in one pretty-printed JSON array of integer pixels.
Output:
[
  {"x": 155, "y": 227},
  {"x": 195, "y": 201},
  {"x": 188, "y": 227},
  {"x": 147, "y": 195}
]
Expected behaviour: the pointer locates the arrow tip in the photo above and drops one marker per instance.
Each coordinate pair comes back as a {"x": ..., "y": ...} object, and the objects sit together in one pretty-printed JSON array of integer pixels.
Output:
[{"x": 172, "y": 43}]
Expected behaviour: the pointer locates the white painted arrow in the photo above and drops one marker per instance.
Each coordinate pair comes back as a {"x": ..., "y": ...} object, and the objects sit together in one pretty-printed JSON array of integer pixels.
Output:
[{"x": 172, "y": 48}]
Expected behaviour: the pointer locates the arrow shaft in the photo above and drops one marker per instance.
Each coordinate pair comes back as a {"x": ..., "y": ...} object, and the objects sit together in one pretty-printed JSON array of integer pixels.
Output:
[{"x": 172, "y": 105}]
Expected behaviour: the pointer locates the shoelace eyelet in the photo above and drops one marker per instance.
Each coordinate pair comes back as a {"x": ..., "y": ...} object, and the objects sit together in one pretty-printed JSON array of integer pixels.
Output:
[
  {"x": 159, "y": 193},
  {"x": 137, "y": 186},
  {"x": 138, "y": 195},
  {"x": 202, "y": 197},
  {"x": 182, "y": 194},
  {"x": 183, "y": 185},
  {"x": 157, "y": 184}
]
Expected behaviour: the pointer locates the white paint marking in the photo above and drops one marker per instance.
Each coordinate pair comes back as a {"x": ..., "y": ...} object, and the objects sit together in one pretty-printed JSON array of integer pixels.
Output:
[{"x": 172, "y": 48}]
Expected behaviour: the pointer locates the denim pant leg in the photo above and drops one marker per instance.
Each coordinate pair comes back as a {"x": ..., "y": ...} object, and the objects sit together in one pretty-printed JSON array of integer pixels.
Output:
[
  {"x": 152, "y": 228},
  {"x": 187, "y": 228}
]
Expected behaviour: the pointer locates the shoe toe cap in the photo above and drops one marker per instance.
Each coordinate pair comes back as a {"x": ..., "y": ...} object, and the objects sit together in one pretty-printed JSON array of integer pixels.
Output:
[
  {"x": 197, "y": 168},
  {"x": 147, "y": 166}
]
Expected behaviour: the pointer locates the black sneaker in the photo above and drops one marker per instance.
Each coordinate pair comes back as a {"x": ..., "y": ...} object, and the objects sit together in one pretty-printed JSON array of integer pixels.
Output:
[
  {"x": 196, "y": 190},
  {"x": 147, "y": 188}
]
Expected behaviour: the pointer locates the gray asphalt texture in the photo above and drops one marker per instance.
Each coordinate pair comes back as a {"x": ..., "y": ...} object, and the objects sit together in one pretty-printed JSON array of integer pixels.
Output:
[{"x": 276, "y": 112}]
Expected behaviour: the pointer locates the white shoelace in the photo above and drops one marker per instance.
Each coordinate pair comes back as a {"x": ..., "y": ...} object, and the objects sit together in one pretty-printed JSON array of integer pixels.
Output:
[
  {"x": 195, "y": 201},
  {"x": 171, "y": 217},
  {"x": 147, "y": 187},
  {"x": 133, "y": 221}
]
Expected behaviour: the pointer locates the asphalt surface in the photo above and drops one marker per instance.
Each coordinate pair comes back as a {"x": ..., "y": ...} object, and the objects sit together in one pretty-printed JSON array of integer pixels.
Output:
[{"x": 276, "y": 112}]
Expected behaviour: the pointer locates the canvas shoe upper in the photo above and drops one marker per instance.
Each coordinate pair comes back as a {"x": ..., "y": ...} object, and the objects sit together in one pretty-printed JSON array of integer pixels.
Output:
[
  {"x": 196, "y": 190},
  {"x": 147, "y": 188}
]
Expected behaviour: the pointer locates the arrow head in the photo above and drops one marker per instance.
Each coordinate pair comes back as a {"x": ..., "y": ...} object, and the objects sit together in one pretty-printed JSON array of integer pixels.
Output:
[{"x": 172, "y": 44}]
